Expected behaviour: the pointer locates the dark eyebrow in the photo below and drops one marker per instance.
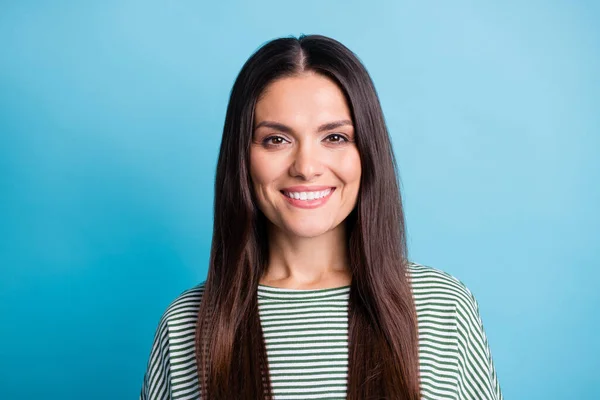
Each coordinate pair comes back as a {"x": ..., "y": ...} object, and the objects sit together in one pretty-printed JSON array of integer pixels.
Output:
[
  {"x": 284, "y": 128},
  {"x": 333, "y": 125}
]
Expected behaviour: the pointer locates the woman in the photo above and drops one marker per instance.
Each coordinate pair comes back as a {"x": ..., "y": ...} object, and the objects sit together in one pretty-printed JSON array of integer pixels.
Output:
[{"x": 309, "y": 293}]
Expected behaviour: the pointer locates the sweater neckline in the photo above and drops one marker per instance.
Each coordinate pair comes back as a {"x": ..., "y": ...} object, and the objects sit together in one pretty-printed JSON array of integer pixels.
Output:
[{"x": 271, "y": 292}]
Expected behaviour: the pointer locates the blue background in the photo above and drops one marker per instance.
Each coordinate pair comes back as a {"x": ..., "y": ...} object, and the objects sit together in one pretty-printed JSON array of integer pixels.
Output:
[{"x": 111, "y": 115}]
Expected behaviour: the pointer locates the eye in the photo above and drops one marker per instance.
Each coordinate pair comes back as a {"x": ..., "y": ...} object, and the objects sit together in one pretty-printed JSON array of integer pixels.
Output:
[
  {"x": 273, "y": 141},
  {"x": 336, "y": 138}
]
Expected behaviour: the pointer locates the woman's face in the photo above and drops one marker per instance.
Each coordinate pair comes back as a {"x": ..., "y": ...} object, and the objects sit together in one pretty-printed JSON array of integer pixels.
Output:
[{"x": 304, "y": 163}]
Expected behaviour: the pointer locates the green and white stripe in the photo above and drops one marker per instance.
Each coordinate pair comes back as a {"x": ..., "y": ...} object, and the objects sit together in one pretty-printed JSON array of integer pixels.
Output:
[{"x": 306, "y": 335}]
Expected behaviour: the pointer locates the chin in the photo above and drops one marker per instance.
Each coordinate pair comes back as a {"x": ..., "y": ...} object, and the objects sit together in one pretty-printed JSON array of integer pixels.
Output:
[{"x": 307, "y": 231}]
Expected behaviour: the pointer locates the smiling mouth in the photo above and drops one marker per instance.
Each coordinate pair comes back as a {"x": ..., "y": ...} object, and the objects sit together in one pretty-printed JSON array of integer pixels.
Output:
[
  {"x": 308, "y": 196},
  {"x": 308, "y": 200}
]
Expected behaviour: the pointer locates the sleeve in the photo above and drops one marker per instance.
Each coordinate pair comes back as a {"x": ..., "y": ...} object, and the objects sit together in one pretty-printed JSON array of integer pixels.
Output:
[
  {"x": 157, "y": 378},
  {"x": 477, "y": 379}
]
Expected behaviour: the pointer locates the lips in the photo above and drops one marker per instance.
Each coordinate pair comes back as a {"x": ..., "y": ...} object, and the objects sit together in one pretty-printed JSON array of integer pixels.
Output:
[
  {"x": 306, "y": 188},
  {"x": 304, "y": 201}
]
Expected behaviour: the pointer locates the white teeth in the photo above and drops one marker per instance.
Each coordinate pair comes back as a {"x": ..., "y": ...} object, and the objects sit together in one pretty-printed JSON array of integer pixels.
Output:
[{"x": 308, "y": 195}]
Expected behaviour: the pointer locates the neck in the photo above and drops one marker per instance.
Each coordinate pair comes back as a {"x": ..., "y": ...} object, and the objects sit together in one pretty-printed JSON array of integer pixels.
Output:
[{"x": 307, "y": 263}]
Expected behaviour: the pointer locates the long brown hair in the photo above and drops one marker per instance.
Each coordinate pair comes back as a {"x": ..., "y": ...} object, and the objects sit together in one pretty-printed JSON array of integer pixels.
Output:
[{"x": 383, "y": 339}]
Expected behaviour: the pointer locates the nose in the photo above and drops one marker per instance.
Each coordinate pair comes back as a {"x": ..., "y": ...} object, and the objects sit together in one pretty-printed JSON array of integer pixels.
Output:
[{"x": 306, "y": 163}]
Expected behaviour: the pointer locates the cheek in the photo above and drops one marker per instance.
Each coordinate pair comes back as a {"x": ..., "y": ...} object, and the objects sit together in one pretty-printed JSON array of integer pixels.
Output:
[
  {"x": 349, "y": 168},
  {"x": 257, "y": 169},
  {"x": 263, "y": 171}
]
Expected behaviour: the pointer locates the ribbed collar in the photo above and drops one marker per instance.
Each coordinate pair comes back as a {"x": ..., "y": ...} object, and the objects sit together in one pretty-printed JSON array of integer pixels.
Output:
[{"x": 270, "y": 292}]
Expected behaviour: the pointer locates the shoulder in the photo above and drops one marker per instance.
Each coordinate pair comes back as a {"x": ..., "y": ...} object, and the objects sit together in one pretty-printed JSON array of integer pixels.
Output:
[
  {"x": 449, "y": 319},
  {"x": 432, "y": 285},
  {"x": 185, "y": 304},
  {"x": 173, "y": 340},
  {"x": 182, "y": 310}
]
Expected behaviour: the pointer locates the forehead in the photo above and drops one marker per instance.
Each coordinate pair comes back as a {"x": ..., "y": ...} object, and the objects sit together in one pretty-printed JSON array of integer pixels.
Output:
[{"x": 307, "y": 99}]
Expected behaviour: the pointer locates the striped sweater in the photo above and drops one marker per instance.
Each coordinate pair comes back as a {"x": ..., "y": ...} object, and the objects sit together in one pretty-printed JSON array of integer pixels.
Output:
[{"x": 306, "y": 336}]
